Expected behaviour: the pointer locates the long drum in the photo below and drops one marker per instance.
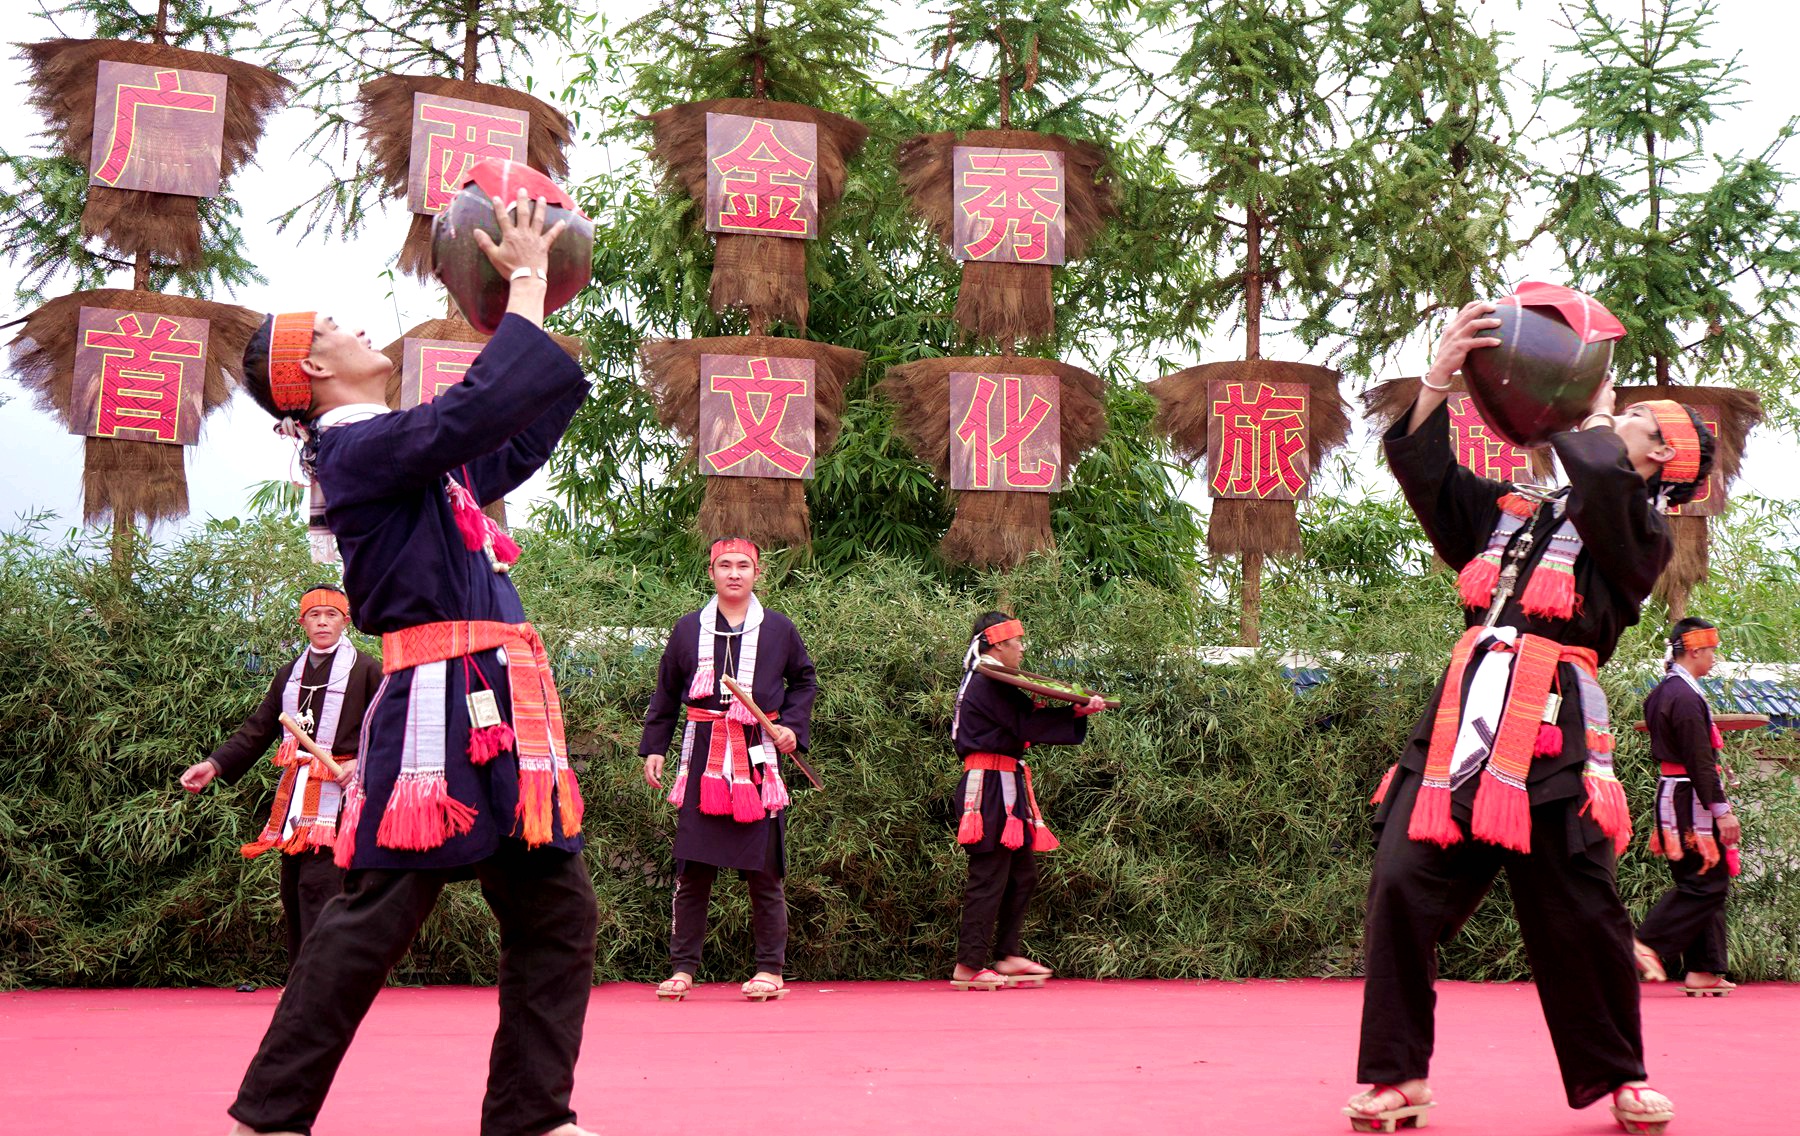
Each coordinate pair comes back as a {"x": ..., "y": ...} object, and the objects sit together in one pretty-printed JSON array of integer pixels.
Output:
[
  {"x": 1043, "y": 685},
  {"x": 1542, "y": 378}
]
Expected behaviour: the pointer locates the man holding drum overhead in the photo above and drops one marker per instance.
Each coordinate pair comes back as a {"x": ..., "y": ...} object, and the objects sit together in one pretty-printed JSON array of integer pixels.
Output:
[
  {"x": 1000, "y": 825},
  {"x": 1510, "y": 768},
  {"x": 463, "y": 769}
]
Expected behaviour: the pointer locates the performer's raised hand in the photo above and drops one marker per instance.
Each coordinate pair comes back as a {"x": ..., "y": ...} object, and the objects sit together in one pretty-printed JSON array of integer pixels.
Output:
[
  {"x": 653, "y": 767},
  {"x": 522, "y": 254},
  {"x": 198, "y": 776},
  {"x": 1465, "y": 332},
  {"x": 784, "y": 739},
  {"x": 1093, "y": 705}
]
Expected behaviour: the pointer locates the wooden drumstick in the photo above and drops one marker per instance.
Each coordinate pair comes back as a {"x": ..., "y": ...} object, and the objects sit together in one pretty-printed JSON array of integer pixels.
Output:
[
  {"x": 312, "y": 747},
  {"x": 768, "y": 725}
]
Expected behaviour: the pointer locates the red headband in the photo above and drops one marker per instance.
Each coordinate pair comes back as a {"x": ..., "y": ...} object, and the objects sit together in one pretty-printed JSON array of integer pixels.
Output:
[
  {"x": 1677, "y": 429},
  {"x": 1001, "y": 632},
  {"x": 324, "y": 597},
  {"x": 290, "y": 342},
  {"x": 735, "y": 544},
  {"x": 1700, "y": 638}
]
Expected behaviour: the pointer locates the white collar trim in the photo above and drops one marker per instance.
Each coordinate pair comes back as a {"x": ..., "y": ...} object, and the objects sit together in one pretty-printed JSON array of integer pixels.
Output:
[{"x": 352, "y": 412}]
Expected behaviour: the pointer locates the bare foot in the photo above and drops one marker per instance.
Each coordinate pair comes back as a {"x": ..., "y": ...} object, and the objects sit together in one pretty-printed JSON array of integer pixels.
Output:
[
  {"x": 569, "y": 1129},
  {"x": 1639, "y": 1097},
  {"x": 239, "y": 1128},
  {"x": 676, "y": 986},
  {"x": 1701, "y": 980},
  {"x": 1018, "y": 964},
  {"x": 1386, "y": 1098}
]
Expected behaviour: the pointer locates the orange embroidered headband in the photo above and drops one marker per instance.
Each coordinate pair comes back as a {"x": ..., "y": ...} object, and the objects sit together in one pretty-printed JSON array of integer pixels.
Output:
[
  {"x": 290, "y": 342},
  {"x": 1001, "y": 632},
  {"x": 727, "y": 547},
  {"x": 325, "y": 597},
  {"x": 1700, "y": 638},
  {"x": 1677, "y": 429}
]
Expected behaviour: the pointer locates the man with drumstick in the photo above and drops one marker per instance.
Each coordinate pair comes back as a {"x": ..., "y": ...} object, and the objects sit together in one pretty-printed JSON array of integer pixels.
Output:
[
  {"x": 464, "y": 772},
  {"x": 728, "y": 787},
  {"x": 1510, "y": 768},
  {"x": 326, "y": 691}
]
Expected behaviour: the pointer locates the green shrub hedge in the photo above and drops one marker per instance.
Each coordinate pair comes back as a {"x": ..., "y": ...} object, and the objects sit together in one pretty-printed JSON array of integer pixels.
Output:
[{"x": 1217, "y": 826}]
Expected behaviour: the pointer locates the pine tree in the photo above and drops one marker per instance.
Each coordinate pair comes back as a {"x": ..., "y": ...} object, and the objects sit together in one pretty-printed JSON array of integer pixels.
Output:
[
  {"x": 1697, "y": 254},
  {"x": 40, "y": 216}
]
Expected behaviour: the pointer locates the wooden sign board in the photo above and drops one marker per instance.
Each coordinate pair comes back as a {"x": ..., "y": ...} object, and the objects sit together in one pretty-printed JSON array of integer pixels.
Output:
[
  {"x": 1256, "y": 439},
  {"x": 1005, "y": 432},
  {"x": 448, "y": 137},
  {"x": 429, "y": 367},
  {"x": 762, "y": 176},
  {"x": 757, "y": 416},
  {"x": 158, "y": 129},
  {"x": 1009, "y": 205},
  {"x": 138, "y": 376},
  {"x": 1484, "y": 452}
]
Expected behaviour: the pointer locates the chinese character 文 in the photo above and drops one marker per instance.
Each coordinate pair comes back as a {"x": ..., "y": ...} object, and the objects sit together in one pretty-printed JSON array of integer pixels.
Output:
[
  {"x": 758, "y": 430},
  {"x": 763, "y": 184},
  {"x": 1479, "y": 448},
  {"x": 1261, "y": 449},
  {"x": 140, "y": 375},
  {"x": 1011, "y": 201}
]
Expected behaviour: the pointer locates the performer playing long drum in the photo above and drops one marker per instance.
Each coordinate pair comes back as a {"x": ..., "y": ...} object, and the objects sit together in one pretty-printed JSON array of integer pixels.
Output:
[
  {"x": 464, "y": 771},
  {"x": 1000, "y": 825},
  {"x": 327, "y": 689},
  {"x": 1692, "y": 821},
  {"x": 1510, "y": 768},
  {"x": 728, "y": 784}
]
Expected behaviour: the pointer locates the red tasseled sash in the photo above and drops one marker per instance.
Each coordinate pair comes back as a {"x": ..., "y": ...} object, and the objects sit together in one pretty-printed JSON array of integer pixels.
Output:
[{"x": 971, "y": 829}]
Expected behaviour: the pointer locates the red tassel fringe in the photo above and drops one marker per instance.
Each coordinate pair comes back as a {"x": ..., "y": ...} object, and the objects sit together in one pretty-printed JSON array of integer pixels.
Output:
[
  {"x": 1502, "y": 814},
  {"x": 746, "y": 802},
  {"x": 348, "y": 818},
  {"x": 568, "y": 801},
  {"x": 1431, "y": 819},
  {"x": 1606, "y": 803},
  {"x": 489, "y": 742},
  {"x": 421, "y": 814},
  {"x": 1043, "y": 840},
  {"x": 1013, "y": 835},
  {"x": 1551, "y": 592},
  {"x": 506, "y": 549},
  {"x": 535, "y": 789},
  {"x": 774, "y": 792},
  {"x": 970, "y": 831},
  {"x": 1477, "y": 580},
  {"x": 1381, "y": 790},
  {"x": 715, "y": 795},
  {"x": 1718, "y": 739},
  {"x": 1549, "y": 740}
]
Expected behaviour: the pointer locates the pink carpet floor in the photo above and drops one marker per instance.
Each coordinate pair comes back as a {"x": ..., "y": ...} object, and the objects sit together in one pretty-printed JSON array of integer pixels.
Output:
[{"x": 1077, "y": 1058}]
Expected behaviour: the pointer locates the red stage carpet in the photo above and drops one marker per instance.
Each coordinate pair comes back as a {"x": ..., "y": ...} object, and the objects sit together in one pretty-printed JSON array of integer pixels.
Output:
[{"x": 1076, "y": 1058}]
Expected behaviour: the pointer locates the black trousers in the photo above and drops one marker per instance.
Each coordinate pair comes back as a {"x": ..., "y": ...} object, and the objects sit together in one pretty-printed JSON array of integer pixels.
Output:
[
  {"x": 768, "y": 917},
  {"x": 1687, "y": 926},
  {"x": 308, "y": 881},
  {"x": 994, "y": 902},
  {"x": 1577, "y": 938},
  {"x": 544, "y": 902}
]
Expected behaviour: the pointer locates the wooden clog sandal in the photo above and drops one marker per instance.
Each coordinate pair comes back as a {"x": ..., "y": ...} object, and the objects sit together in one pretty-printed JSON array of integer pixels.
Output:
[
  {"x": 1641, "y": 1123},
  {"x": 984, "y": 979},
  {"x": 762, "y": 990},
  {"x": 1649, "y": 963},
  {"x": 673, "y": 989},
  {"x": 1408, "y": 1115},
  {"x": 1717, "y": 988}
]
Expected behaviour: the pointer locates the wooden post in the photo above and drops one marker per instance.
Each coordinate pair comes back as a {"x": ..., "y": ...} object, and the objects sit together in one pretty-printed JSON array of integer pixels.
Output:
[
  {"x": 1250, "y": 620},
  {"x": 1250, "y": 594}
]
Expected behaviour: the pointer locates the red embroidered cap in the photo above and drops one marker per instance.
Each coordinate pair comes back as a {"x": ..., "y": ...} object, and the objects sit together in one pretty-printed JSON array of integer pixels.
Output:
[
  {"x": 1677, "y": 429},
  {"x": 733, "y": 544},
  {"x": 290, "y": 342}
]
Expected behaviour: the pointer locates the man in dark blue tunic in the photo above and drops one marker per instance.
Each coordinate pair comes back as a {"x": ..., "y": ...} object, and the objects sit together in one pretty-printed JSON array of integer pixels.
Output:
[
  {"x": 463, "y": 772},
  {"x": 728, "y": 784},
  {"x": 1001, "y": 827}
]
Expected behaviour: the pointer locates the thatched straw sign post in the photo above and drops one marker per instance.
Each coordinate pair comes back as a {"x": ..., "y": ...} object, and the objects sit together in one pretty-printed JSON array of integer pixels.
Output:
[
  {"x": 134, "y": 371},
  {"x": 757, "y": 409}
]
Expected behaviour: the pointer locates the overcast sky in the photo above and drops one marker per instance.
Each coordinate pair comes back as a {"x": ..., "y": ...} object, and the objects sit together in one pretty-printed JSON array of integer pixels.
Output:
[{"x": 40, "y": 463}]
